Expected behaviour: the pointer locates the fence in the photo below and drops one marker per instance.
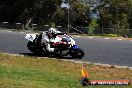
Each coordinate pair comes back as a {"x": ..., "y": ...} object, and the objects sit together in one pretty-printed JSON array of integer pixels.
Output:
[
  {"x": 77, "y": 29},
  {"x": 42, "y": 27}
]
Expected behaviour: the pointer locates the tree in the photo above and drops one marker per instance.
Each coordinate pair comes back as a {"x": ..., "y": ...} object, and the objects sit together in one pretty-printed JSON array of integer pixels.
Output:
[
  {"x": 45, "y": 9},
  {"x": 78, "y": 14},
  {"x": 114, "y": 13},
  {"x": 11, "y": 10},
  {"x": 130, "y": 15}
]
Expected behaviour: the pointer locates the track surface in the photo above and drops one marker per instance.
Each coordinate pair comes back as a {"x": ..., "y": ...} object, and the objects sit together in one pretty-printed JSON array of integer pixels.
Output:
[{"x": 97, "y": 50}]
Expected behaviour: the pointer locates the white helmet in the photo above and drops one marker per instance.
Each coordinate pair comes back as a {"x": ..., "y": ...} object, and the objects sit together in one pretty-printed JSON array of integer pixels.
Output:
[{"x": 52, "y": 30}]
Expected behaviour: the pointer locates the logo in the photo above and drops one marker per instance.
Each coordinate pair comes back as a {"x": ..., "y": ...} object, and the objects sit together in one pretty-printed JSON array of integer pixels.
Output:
[{"x": 85, "y": 81}]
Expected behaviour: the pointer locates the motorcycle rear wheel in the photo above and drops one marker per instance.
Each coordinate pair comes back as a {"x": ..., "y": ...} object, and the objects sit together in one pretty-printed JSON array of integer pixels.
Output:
[{"x": 31, "y": 46}]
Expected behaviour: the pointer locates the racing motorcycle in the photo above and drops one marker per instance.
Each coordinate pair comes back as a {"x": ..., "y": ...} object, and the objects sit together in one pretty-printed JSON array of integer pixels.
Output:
[{"x": 63, "y": 45}]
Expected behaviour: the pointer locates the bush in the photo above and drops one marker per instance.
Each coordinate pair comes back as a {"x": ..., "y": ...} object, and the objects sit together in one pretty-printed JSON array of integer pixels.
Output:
[{"x": 111, "y": 35}]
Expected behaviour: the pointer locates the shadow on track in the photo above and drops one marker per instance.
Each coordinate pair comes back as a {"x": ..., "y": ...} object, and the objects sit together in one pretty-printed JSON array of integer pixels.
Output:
[{"x": 41, "y": 55}]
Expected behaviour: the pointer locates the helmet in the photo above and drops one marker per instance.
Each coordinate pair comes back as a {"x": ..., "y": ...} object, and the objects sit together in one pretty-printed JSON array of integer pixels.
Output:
[{"x": 52, "y": 30}]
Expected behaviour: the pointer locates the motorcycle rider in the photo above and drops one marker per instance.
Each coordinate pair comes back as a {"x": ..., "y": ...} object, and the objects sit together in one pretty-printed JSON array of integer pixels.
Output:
[{"x": 46, "y": 38}]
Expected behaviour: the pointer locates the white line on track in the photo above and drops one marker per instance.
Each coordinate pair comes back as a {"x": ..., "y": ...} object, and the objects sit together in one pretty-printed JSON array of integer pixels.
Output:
[
  {"x": 9, "y": 31},
  {"x": 22, "y": 32},
  {"x": 78, "y": 36},
  {"x": 90, "y": 37},
  {"x": 106, "y": 38},
  {"x": 119, "y": 39}
]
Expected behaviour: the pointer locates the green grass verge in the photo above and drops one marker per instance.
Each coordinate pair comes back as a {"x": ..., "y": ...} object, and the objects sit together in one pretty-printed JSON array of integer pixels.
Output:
[{"x": 31, "y": 72}]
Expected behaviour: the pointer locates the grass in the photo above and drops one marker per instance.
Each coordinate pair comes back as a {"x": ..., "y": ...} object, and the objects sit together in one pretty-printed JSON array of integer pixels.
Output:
[{"x": 31, "y": 72}]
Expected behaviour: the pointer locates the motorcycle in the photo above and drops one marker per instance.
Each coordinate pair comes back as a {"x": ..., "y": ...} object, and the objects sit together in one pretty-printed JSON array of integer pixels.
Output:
[{"x": 63, "y": 45}]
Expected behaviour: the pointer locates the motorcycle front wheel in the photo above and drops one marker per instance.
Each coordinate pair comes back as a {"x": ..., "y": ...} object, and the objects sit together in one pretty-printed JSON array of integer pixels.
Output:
[{"x": 77, "y": 53}]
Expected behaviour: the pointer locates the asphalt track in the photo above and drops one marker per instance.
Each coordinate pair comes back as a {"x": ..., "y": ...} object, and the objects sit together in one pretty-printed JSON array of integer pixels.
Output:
[{"x": 97, "y": 50}]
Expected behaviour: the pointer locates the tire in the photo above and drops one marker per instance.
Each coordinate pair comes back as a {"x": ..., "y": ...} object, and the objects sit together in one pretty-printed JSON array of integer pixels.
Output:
[
  {"x": 79, "y": 50},
  {"x": 77, "y": 53},
  {"x": 31, "y": 46}
]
